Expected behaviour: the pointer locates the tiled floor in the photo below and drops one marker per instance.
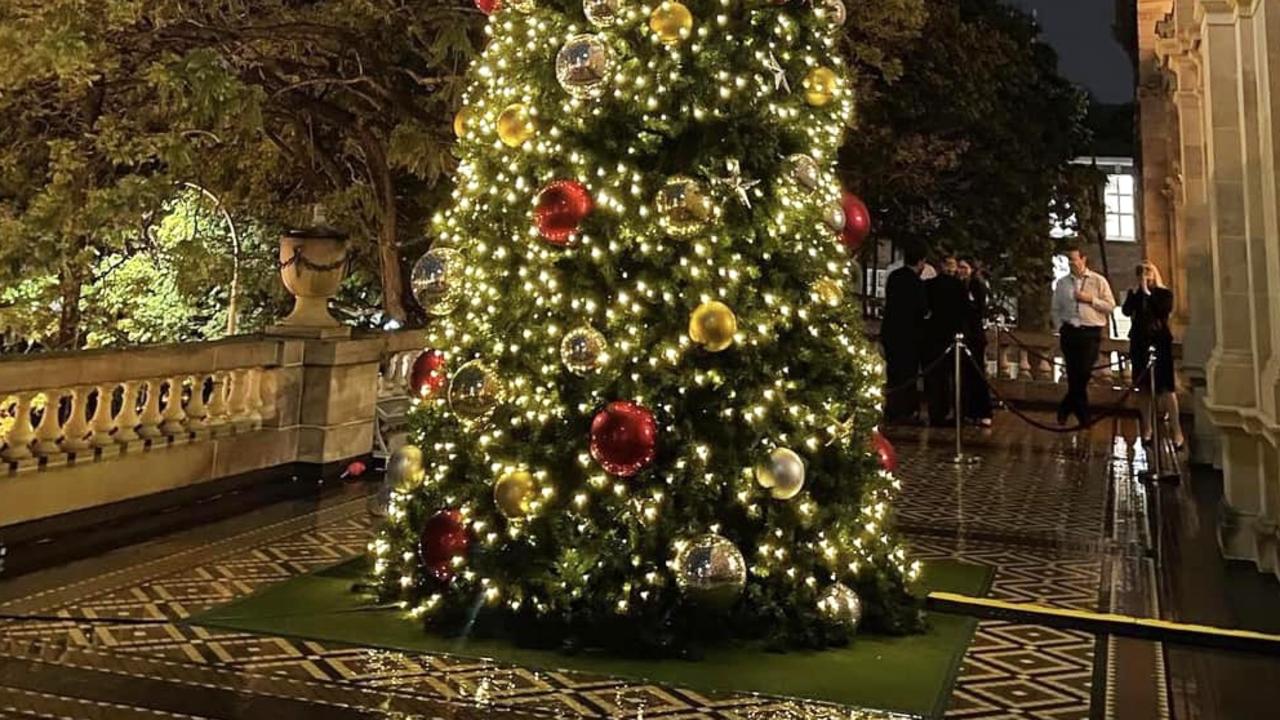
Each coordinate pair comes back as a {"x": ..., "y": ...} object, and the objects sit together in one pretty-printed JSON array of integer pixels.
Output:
[{"x": 1036, "y": 509}]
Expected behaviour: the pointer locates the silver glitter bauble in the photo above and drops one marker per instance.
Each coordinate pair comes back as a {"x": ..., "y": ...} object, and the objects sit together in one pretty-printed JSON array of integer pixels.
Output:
[
  {"x": 602, "y": 13},
  {"x": 475, "y": 390},
  {"x": 783, "y": 473},
  {"x": 841, "y": 604},
  {"x": 683, "y": 206},
  {"x": 804, "y": 170},
  {"x": 437, "y": 280},
  {"x": 832, "y": 11},
  {"x": 834, "y": 216},
  {"x": 583, "y": 350},
  {"x": 583, "y": 65},
  {"x": 710, "y": 571},
  {"x": 404, "y": 468}
]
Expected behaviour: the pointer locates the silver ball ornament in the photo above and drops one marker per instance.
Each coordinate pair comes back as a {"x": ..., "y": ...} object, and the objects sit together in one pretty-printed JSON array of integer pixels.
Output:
[
  {"x": 683, "y": 206},
  {"x": 405, "y": 468},
  {"x": 710, "y": 571},
  {"x": 832, "y": 11},
  {"x": 475, "y": 390},
  {"x": 841, "y": 604},
  {"x": 602, "y": 13},
  {"x": 437, "y": 280},
  {"x": 804, "y": 171},
  {"x": 834, "y": 216},
  {"x": 583, "y": 350},
  {"x": 782, "y": 473},
  {"x": 583, "y": 65}
]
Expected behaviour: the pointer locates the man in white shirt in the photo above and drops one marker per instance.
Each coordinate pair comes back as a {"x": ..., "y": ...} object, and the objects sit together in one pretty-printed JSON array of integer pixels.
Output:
[{"x": 1082, "y": 306}]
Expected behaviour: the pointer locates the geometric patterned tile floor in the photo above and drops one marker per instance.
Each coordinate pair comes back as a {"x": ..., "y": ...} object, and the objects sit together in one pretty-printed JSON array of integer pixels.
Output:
[{"x": 1034, "y": 510}]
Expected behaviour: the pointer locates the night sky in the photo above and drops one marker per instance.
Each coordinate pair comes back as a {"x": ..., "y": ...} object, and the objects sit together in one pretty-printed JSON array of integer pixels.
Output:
[{"x": 1088, "y": 54}]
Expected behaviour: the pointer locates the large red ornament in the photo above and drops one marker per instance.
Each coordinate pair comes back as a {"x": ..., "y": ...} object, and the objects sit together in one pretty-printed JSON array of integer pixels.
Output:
[
  {"x": 560, "y": 209},
  {"x": 489, "y": 7},
  {"x": 624, "y": 438},
  {"x": 885, "y": 451},
  {"x": 428, "y": 373},
  {"x": 444, "y": 537},
  {"x": 857, "y": 221}
]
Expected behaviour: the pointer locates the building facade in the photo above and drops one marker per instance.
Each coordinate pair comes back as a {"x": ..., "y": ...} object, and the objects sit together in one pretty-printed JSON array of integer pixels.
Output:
[{"x": 1209, "y": 117}]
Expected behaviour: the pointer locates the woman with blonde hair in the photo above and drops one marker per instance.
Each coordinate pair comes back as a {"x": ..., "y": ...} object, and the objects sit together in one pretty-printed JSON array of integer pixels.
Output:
[{"x": 1149, "y": 305}]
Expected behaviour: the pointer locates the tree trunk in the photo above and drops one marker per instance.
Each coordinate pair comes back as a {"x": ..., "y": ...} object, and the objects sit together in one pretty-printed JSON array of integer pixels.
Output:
[
  {"x": 70, "y": 285},
  {"x": 390, "y": 272}
]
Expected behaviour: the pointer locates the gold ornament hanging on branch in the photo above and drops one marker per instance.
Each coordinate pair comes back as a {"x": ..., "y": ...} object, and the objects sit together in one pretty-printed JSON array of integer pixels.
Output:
[
  {"x": 713, "y": 325},
  {"x": 515, "y": 125},
  {"x": 820, "y": 86},
  {"x": 513, "y": 492},
  {"x": 671, "y": 22}
]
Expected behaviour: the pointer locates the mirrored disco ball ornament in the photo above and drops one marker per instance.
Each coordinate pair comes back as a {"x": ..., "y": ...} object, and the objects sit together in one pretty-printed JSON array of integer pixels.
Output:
[
  {"x": 602, "y": 13},
  {"x": 437, "y": 280},
  {"x": 783, "y": 473},
  {"x": 683, "y": 206},
  {"x": 831, "y": 10},
  {"x": 710, "y": 571},
  {"x": 405, "y": 468},
  {"x": 475, "y": 390},
  {"x": 804, "y": 170},
  {"x": 841, "y": 604},
  {"x": 834, "y": 216},
  {"x": 583, "y": 65},
  {"x": 583, "y": 350}
]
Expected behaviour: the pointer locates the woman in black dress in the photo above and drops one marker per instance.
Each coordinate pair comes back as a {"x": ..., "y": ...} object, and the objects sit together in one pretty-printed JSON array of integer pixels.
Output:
[
  {"x": 1149, "y": 306},
  {"x": 976, "y": 396}
]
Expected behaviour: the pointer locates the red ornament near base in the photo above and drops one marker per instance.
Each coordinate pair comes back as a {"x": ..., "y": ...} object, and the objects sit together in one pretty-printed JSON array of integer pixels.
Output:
[
  {"x": 428, "y": 373},
  {"x": 489, "y": 7},
  {"x": 560, "y": 209},
  {"x": 624, "y": 438},
  {"x": 444, "y": 537},
  {"x": 884, "y": 451},
  {"x": 857, "y": 221}
]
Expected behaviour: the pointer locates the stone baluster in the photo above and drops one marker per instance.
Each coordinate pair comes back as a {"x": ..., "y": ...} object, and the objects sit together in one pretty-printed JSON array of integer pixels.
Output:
[
  {"x": 127, "y": 421},
  {"x": 239, "y": 395},
  {"x": 253, "y": 399},
  {"x": 18, "y": 439},
  {"x": 267, "y": 391},
  {"x": 1044, "y": 368},
  {"x": 102, "y": 424},
  {"x": 149, "y": 422},
  {"x": 175, "y": 419},
  {"x": 75, "y": 433},
  {"x": 48, "y": 431},
  {"x": 219, "y": 411},
  {"x": 1024, "y": 365},
  {"x": 197, "y": 411}
]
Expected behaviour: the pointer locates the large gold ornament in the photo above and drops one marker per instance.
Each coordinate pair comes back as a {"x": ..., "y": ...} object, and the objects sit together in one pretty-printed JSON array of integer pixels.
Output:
[
  {"x": 820, "y": 86},
  {"x": 827, "y": 291},
  {"x": 710, "y": 571},
  {"x": 437, "y": 280},
  {"x": 583, "y": 350},
  {"x": 583, "y": 65},
  {"x": 515, "y": 125},
  {"x": 683, "y": 206},
  {"x": 460, "y": 121},
  {"x": 712, "y": 325},
  {"x": 841, "y": 604},
  {"x": 671, "y": 21},
  {"x": 404, "y": 468},
  {"x": 783, "y": 473},
  {"x": 475, "y": 390},
  {"x": 513, "y": 492}
]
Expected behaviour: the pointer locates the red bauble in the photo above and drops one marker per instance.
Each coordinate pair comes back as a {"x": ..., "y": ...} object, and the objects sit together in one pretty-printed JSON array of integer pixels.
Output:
[
  {"x": 444, "y": 537},
  {"x": 857, "y": 221},
  {"x": 885, "y": 451},
  {"x": 624, "y": 438},
  {"x": 561, "y": 208},
  {"x": 354, "y": 470},
  {"x": 489, "y": 7},
  {"x": 428, "y": 373}
]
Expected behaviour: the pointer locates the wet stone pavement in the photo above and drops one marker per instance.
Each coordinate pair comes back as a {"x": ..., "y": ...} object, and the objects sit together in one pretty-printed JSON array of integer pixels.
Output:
[{"x": 1055, "y": 516}]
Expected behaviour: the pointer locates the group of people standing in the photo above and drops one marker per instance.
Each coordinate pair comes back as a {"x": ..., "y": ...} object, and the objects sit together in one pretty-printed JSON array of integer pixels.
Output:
[{"x": 925, "y": 309}]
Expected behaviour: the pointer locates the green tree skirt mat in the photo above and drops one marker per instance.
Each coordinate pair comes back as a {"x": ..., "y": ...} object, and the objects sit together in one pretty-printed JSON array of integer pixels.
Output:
[{"x": 907, "y": 674}]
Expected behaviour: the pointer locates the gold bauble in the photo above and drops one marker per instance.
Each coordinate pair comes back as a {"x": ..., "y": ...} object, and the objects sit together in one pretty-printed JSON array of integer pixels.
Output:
[
  {"x": 475, "y": 390},
  {"x": 671, "y": 21},
  {"x": 460, "y": 121},
  {"x": 828, "y": 291},
  {"x": 684, "y": 208},
  {"x": 782, "y": 473},
  {"x": 515, "y": 125},
  {"x": 513, "y": 492},
  {"x": 712, "y": 325},
  {"x": 820, "y": 86}
]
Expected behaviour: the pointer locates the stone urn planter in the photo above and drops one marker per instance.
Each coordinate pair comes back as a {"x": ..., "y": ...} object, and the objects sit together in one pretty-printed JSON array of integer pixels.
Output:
[{"x": 313, "y": 263}]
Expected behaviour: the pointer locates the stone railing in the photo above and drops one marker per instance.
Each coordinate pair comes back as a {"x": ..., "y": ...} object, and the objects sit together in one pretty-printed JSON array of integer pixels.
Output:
[{"x": 84, "y": 429}]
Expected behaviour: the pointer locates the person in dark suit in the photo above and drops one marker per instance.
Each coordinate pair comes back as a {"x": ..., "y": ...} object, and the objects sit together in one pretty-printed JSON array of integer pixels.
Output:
[
  {"x": 977, "y": 397},
  {"x": 947, "y": 300},
  {"x": 1149, "y": 306},
  {"x": 901, "y": 332}
]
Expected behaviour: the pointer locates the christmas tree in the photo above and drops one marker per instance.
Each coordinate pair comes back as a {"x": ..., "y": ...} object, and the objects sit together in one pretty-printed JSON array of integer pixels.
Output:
[{"x": 647, "y": 409}]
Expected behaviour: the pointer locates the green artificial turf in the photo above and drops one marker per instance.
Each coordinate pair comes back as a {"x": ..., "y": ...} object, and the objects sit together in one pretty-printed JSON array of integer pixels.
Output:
[{"x": 908, "y": 674}]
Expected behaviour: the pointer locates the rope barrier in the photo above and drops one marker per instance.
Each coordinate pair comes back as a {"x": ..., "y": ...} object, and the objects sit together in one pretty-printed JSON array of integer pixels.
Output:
[
  {"x": 921, "y": 374},
  {"x": 1116, "y": 365}
]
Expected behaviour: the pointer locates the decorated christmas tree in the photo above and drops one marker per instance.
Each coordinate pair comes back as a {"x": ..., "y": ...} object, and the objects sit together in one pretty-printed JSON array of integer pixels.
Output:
[{"x": 647, "y": 409}]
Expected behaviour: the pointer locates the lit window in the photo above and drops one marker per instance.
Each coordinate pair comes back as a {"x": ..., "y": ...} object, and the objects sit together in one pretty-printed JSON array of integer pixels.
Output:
[{"x": 1121, "y": 216}]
